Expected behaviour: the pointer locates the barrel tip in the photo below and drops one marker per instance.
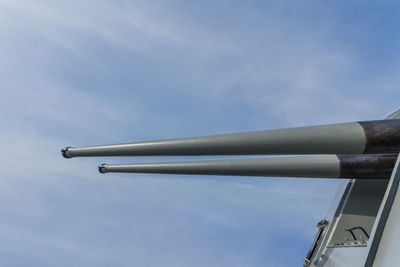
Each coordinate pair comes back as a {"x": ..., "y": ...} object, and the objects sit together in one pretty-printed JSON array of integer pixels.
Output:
[
  {"x": 66, "y": 153},
  {"x": 102, "y": 168}
]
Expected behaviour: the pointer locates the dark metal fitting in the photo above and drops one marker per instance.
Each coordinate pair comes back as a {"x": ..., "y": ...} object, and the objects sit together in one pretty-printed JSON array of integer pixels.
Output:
[
  {"x": 322, "y": 224},
  {"x": 102, "y": 168},
  {"x": 66, "y": 154}
]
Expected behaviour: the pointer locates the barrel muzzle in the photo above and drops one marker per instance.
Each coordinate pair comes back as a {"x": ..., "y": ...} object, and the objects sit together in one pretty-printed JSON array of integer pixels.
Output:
[
  {"x": 102, "y": 168},
  {"x": 66, "y": 154}
]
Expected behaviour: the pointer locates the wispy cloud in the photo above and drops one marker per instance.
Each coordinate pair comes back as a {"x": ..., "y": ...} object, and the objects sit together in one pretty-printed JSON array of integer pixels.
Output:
[{"x": 99, "y": 72}]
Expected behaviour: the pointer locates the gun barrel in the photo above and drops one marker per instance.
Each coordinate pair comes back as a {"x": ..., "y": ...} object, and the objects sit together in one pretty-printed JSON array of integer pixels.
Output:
[
  {"x": 322, "y": 166},
  {"x": 345, "y": 138}
]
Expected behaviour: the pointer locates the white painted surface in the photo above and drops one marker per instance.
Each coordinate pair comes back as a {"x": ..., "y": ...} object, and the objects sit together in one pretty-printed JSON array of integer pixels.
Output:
[
  {"x": 345, "y": 257},
  {"x": 388, "y": 253}
]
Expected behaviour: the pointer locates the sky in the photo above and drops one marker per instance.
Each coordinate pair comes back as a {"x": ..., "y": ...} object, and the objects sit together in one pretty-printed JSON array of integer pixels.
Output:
[{"x": 76, "y": 73}]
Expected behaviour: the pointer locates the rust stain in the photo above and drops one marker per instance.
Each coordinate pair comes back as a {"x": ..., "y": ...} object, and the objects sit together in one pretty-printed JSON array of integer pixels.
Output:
[
  {"x": 382, "y": 136},
  {"x": 375, "y": 166}
]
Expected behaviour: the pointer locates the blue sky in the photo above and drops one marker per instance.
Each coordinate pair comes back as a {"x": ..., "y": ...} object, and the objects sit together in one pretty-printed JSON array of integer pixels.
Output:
[{"x": 98, "y": 72}]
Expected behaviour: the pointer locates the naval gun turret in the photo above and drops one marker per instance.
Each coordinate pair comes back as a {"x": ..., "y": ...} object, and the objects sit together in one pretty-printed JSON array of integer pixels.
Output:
[{"x": 364, "y": 152}]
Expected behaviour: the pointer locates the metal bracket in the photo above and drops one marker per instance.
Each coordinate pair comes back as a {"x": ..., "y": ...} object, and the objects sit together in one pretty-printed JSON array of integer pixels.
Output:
[
  {"x": 355, "y": 228},
  {"x": 321, "y": 225}
]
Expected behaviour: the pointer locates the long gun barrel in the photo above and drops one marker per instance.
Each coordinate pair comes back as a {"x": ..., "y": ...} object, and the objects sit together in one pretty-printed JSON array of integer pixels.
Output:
[
  {"x": 376, "y": 166},
  {"x": 382, "y": 136}
]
